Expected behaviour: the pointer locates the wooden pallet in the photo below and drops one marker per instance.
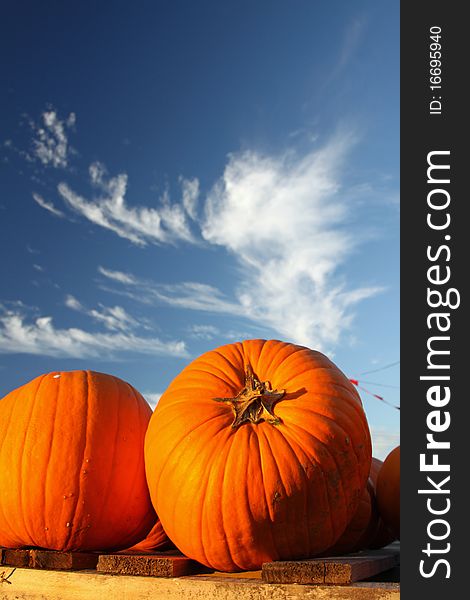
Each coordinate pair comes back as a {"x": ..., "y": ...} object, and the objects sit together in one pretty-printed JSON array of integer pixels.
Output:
[
  {"x": 164, "y": 564},
  {"x": 339, "y": 570}
]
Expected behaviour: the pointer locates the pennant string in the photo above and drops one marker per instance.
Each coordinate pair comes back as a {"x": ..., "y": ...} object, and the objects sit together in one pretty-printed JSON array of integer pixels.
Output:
[
  {"x": 393, "y": 364},
  {"x": 356, "y": 383}
]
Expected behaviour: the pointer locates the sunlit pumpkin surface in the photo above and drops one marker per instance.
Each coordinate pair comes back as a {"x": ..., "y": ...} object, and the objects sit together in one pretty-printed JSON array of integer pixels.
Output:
[
  {"x": 257, "y": 451},
  {"x": 71, "y": 463}
]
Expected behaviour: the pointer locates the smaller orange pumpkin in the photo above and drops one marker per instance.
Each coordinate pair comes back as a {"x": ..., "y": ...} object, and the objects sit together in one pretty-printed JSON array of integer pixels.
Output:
[{"x": 388, "y": 491}]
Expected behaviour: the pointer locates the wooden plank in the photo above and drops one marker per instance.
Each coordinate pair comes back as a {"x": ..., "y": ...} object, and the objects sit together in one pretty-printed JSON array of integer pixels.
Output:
[
  {"x": 294, "y": 571},
  {"x": 153, "y": 565},
  {"x": 15, "y": 558},
  {"x": 64, "y": 561},
  {"x": 338, "y": 570},
  {"x": 345, "y": 570}
]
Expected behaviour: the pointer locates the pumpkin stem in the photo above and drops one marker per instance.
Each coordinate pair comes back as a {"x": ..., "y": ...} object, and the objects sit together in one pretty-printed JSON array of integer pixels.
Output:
[{"x": 255, "y": 402}]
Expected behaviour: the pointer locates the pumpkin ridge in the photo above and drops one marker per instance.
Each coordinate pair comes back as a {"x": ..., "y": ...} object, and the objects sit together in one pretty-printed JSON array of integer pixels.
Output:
[
  {"x": 260, "y": 464},
  {"x": 77, "y": 495},
  {"x": 301, "y": 456},
  {"x": 104, "y": 498},
  {"x": 238, "y": 349},
  {"x": 314, "y": 367},
  {"x": 355, "y": 398},
  {"x": 227, "y": 488},
  {"x": 292, "y": 433},
  {"x": 260, "y": 359},
  {"x": 49, "y": 452},
  {"x": 176, "y": 445},
  {"x": 248, "y": 433},
  {"x": 203, "y": 485},
  {"x": 268, "y": 447},
  {"x": 333, "y": 421},
  {"x": 350, "y": 401},
  {"x": 23, "y": 462},
  {"x": 315, "y": 358},
  {"x": 4, "y": 437},
  {"x": 274, "y": 348},
  {"x": 336, "y": 425},
  {"x": 224, "y": 376},
  {"x": 331, "y": 501}
]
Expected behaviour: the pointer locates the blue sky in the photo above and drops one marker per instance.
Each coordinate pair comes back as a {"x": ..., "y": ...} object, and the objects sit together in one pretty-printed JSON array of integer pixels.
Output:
[{"x": 179, "y": 175}]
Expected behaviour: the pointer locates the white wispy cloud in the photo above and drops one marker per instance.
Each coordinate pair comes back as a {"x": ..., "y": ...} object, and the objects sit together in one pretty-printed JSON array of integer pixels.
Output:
[
  {"x": 50, "y": 143},
  {"x": 203, "y": 332},
  {"x": 74, "y": 304},
  {"x": 190, "y": 192},
  {"x": 347, "y": 50},
  {"x": 47, "y": 205},
  {"x": 188, "y": 294},
  {"x": 166, "y": 224},
  {"x": 115, "y": 318},
  {"x": 40, "y": 336},
  {"x": 285, "y": 220},
  {"x": 119, "y": 276}
]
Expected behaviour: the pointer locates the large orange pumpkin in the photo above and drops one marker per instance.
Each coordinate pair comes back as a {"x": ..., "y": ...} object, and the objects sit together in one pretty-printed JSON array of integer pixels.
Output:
[
  {"x": 257, "y": 451},
  {"x": 358, "y": 532},
  {"x": 72, "y": 473},
  {"x": 388, "y": 491}
]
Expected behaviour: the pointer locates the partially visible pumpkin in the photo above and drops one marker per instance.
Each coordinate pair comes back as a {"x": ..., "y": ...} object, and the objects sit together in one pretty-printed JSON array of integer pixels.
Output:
[
  {"x": 388, "y": 491},
  {"x": 155, "y": 540},
  {"x": 72, "y": 471},
  {"x": 257, "y": 451},
  {"x": 382, "y": 536}
]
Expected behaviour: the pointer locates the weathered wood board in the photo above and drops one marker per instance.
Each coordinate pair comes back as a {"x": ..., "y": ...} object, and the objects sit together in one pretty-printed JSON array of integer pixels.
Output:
[
  {"x": 153, "y": 565},
  {"x": 48, "y": 559},
  {"x": 338, "y": 570}
]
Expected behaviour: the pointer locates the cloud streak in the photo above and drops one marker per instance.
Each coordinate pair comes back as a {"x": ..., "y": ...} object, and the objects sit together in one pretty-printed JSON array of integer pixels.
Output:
[
  {"x": 166, "y": 224},
  {"x": 40, "y": 336},
  {"x": 47, "y": 205},
  {"x": 185, "y": 295},
  {"x": 114, "y": 318}
]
